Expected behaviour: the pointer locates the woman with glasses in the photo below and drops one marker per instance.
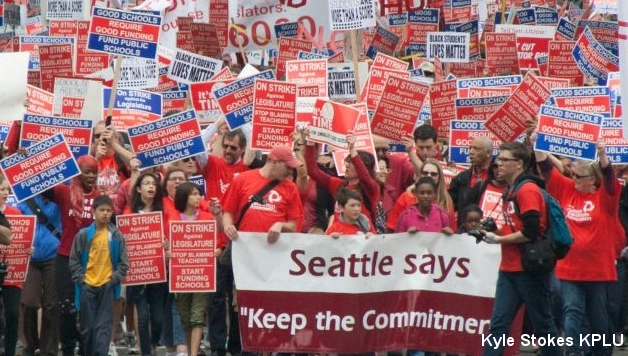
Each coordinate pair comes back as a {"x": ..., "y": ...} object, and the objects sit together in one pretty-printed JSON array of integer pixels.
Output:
[
  {"x": 187, "y": 165},
  {"x": 431, "y": 168},
  {"x": 590, "y": 202}
]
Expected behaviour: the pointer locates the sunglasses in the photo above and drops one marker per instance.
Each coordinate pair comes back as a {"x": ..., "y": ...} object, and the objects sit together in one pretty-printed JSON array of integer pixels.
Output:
[
  {"x": 431, "y": 174},
  {"x": 186, "y": 160},
  {"x": 230, "y": 147}
]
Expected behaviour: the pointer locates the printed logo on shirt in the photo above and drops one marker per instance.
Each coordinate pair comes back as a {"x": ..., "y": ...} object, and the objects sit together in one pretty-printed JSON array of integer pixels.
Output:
[
  {"x": 87, "y": 209},
  {"x": 580, "y": 215},
  {"x": 269, "y": 203},
  {"x": 108, "y": 181}
]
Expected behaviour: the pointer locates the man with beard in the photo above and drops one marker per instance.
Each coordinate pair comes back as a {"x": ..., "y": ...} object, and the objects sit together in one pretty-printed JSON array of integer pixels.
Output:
[{"x": 480, "y": 152}]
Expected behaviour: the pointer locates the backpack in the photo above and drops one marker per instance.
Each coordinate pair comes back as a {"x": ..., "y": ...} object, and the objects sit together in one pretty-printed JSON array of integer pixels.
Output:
[{"x": 557, "y": 229}]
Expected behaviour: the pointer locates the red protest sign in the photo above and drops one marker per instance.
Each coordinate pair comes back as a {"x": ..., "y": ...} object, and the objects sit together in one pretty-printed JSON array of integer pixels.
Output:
[
  {"x": 398, "y": 108},
  {"x": 192, "y": 262},
  {"x": 375, "y": 85},
  {"x": 554, "y": 83},
  {"x": 40, "y": 101},
  {"x": 72, "y": 106},
  {"x": 205, "y": 39},
  {"x": 311, "y": 72},
  {"x": 289, "y": 49},
  {"x": 54, "y": 61},
  {"x": 274, "y": 114},
  {"x": 561, "y": 63},
  {"x": 501, "y": 53},
  {"x": 442, "y": 100},
  {"x": 17, "y": 255},
  {"x": 463, "y": 70},
  {"x": 143, "y": 235},
  {"x": 331, "y": 122},
  {"x": 523, "y": 106},
  {"x": 87, "y": 61},
  {"x": 363, "y": 140},
  {"x": 484, "y": 92}
]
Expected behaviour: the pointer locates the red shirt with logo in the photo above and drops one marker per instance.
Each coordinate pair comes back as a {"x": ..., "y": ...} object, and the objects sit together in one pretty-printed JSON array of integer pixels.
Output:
[
  {"x": 218, "y": 174},
  {"x": 282, "y": 203}
]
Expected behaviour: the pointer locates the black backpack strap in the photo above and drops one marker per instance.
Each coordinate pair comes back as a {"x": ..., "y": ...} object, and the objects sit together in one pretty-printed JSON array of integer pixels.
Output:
[
  {"x": 42, "y": 217},
  {"x": 258, "y": 197}
]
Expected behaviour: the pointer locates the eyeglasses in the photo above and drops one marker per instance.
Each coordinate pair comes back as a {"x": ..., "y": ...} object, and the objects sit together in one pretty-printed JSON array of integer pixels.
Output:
[
  {"x": 505, "y": 159},
  {"x": 186, "y": 160},
  {"x": 177, "y": 179},
  {"x": 431, "y": 174},
  {"x": 578, "y": 176},
  {"x": 230, "y": 147}
]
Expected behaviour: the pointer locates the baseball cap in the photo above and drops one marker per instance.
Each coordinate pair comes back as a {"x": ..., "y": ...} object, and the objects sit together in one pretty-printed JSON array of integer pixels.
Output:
[{"x": 285, "y": 154}]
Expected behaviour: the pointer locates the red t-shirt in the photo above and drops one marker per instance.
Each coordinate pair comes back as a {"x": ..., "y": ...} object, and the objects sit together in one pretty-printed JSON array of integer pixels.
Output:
[
  {"x": 61, "y": 196},
  {"x": 529, "y": 198},
  {"x": 109, "y": 180},
  {"x": 591, "y": 221},
  {"x": 344, "y": 228},
  {"x": 283, "y": 202},
  {"x": 218, "y": 174}
]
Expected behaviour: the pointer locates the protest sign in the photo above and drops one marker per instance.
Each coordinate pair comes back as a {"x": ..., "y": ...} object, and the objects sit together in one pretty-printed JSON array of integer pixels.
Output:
[
  {"x": 174, "y": 101},
  {"x": 253, "y": 22},
  {"x": 274, "y": 114},
  {"x": 383, "y": 42},
  {"x": 288, "y": 50},
  {"x": 595, "y": 100},
  {"x": 289, "y": 29},
  {"x": 462, "y": 134},
  {"x": 478, "y": 108},
  {"x": 363, "y": 292},
  {"x": 396, "y": 112},
  {"x": 331, "y": 122},
  {"x": 172, "y": 138},
  {"x": 55, "y": 61},
  {"x": 76, "y": 132},
  {"x": 46, "y": 164},
  {"x": 616, "y": 144},
  {"x": 71, "y": 91},
  {"x": 470, "y": 27},
  {"x": 463, "y": 70},
  {"x": 532, "y": 41},
  {"x": 143, "y": 235},
  {"x": 521, "y": 108},
  {"x": 449, "y": 47},
  {"x": 605, "y": 32},
  {"x": 308, "y": 73},
  {"x": 13, "y": 70},
  {"x": 457, "y": 11},
  {"x": 31, "y": 44},
  {"x": 510, "y": 81},
  {"x": 122, "y": 32},
  {"x": 442, "y": 97},
  {"x": 67, "y": 10},
  {"x": 501, "y": 53},
  {"x": 235, "y": 100},
  {"x": 593, "y": 59},
  {"x": 351, "y": 15},
  {"x": 562, "y": 64},
  {"x": 163, "y": 82},
  {"x": 17, "y": 253},
  {"x": 188, "y": 67},
  {"x": 192, "y": 262},
  {"x": 132, "y": 107},
  {"x": 205, "y": 39},
  {"x": 40, "y": 102},
  {"x": 553, "y": 83},
  {"x": 420, "y": 23},
  {"x": 376, "y": 82},
  {"x": 87, "y": 61},
  {"x": 138, "y": 73},
  {"x": 206, "y": 106},
  {"x": 341, "y": 81},
  {"x": 568, "y": 133},
  {"x": 565, "y": 30},
  {"x": 219, "y": 16}
]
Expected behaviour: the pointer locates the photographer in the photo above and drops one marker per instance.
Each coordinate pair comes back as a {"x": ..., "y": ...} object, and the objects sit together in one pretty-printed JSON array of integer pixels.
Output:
[{"x": 515, "y": 286}]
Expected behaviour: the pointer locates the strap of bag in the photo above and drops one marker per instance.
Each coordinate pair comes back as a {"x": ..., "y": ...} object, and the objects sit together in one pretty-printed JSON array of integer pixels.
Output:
[
  {"x": 42, "y": 217},
  {"x": 259, "y": 194}
]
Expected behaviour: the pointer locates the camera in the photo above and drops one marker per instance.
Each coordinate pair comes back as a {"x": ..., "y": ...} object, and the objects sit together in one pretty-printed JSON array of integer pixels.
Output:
[{"x": 487, "y": 225}]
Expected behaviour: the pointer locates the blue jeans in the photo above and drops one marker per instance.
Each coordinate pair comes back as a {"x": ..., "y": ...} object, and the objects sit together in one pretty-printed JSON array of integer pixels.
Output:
[
  {"x": 513, "y": 290},
  {"x": 150, "y": 300},
  {"x": 586, "y": 303},
  {"x": 96, "y": 318}
]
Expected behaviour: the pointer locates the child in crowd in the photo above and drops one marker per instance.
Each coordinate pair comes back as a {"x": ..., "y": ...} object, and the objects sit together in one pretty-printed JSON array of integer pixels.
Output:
[
  {"x": 350, "y": 221},
  {"x": 471, "y": 217},
  {"x": 98, "y": 263},
  {"x": 425, "y": 215}
]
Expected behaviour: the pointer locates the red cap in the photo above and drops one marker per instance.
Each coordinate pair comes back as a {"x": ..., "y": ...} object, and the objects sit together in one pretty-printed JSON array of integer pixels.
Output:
[{"x": 285, "y": 154}]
